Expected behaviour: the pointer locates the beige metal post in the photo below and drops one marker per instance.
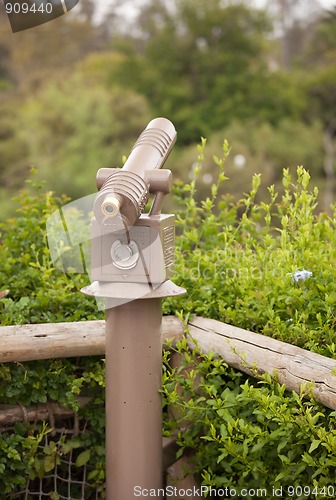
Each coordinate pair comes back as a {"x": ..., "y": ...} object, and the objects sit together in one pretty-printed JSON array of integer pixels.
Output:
[
  {"x": 133, "y": 402},
  {"x": 132, "y": 261}
]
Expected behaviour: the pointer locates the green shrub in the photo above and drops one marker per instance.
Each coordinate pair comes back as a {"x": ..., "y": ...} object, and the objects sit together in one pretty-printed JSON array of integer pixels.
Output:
[
  {"x": 38, "y": 291},
  {"x": 237, "y": 261},
  {"x": 242, "y": 433}
]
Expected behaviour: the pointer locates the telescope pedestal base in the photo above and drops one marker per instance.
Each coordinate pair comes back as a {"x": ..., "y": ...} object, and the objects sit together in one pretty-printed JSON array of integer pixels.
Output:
[
  {"x": 133, "y": 402},
  {"x": 133, "y": 381}
]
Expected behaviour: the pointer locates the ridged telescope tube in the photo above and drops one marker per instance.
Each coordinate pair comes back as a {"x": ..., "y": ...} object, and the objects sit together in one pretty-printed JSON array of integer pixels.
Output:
[{"x": 126, "y": 191}]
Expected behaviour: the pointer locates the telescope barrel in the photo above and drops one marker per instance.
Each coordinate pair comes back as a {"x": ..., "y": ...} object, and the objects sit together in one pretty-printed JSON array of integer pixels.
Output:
[
  {"x": 126, "y": 191},
  {"x": 152, "y": 148}
]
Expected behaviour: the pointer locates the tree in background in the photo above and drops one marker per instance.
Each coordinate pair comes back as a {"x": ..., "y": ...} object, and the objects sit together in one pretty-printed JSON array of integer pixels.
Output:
[
  {"x": 321, "y": 88},
  {"x": 29, "y": 61},
  {"x": 292, "y": 24},
  {"x": 86, "y": 127},
  {"x": 205, "y": 64},
  {"x": 76, "y": 94}
]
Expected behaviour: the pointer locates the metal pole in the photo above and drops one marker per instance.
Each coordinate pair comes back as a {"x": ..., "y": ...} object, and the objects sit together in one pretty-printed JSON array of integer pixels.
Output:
[
  {"x": 132, "y": 251},
  {"x": 133, "y": 402}
]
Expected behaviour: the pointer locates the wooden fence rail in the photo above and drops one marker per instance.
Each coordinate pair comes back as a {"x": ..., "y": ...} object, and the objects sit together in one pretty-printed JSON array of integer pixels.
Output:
[
  {"x": 252, "y": 352},
  {"x": 247, "y": 351},
  {"x": 64, "y": 340}
]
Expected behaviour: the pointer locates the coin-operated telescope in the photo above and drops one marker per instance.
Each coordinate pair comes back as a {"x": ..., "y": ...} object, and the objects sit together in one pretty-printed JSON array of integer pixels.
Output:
[
  {"x": 128, "y": 245},
  {"x": 132, "y": 259}
]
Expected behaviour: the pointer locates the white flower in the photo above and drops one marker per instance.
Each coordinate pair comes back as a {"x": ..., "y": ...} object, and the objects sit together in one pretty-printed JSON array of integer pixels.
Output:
[{"x": 301, "y": 275}]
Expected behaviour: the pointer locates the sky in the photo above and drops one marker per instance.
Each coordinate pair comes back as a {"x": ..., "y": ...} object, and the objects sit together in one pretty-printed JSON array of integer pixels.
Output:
[
  {"x": 327, "y": 4},
  {"x": 104, "y": 4}
]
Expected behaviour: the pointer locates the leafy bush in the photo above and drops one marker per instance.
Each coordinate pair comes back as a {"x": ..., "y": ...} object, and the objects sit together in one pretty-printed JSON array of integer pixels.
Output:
[
  {"x": 38, "y": 291},
  {"x": 266, "y": 149},
  {"x": 238, "y": 259},
  {"x": 247, "y": 434},
  {"x": 238, "y": 262}
]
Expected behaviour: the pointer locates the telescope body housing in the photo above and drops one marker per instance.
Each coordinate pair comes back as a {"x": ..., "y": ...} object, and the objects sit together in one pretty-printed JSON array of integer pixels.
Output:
[{"x": 127, "y": 245}]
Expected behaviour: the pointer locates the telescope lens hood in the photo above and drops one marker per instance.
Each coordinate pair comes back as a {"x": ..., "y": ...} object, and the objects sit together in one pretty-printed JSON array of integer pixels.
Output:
[{"x": 123, "y": 192}]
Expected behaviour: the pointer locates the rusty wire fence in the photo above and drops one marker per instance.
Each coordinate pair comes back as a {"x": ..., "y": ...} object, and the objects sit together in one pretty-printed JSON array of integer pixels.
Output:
[{"x": 65, "y": 480}]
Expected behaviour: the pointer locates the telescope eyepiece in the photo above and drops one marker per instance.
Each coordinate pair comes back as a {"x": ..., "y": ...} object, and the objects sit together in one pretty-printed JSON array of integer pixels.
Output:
[
  {"x": 123, "y": 192},
  {"x": 110, "y": 207}
]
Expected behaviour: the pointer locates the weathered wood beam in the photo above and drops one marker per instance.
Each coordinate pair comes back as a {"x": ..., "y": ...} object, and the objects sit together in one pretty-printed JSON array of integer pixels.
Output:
[
  {"x": 254, "y": 354},
  {"x": 63, "y": 340},
  {"x": 246, "y": 351},
  {"x": 10, "y": 414}
]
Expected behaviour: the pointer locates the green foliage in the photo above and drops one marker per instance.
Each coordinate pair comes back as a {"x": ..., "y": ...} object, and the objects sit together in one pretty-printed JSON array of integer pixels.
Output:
[
  {"x": 322, "y": 91},
  {"x": 71, "y": 141},
  {"x": 319, "y": 58},
  {"x": 205, "y": 65},
  {"x": 62, "y": 381},
  {"x": 38, "y": 292},
  {"x": 18, "y": 456},
  {"x": 266, "y": 150},
  {"x": 237, "y": 260},
  {"x": 241, "y": 433}
]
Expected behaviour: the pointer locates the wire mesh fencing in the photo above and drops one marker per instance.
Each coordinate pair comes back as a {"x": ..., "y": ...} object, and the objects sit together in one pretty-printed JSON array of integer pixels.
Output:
[{"x": 65, "y": 480}]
